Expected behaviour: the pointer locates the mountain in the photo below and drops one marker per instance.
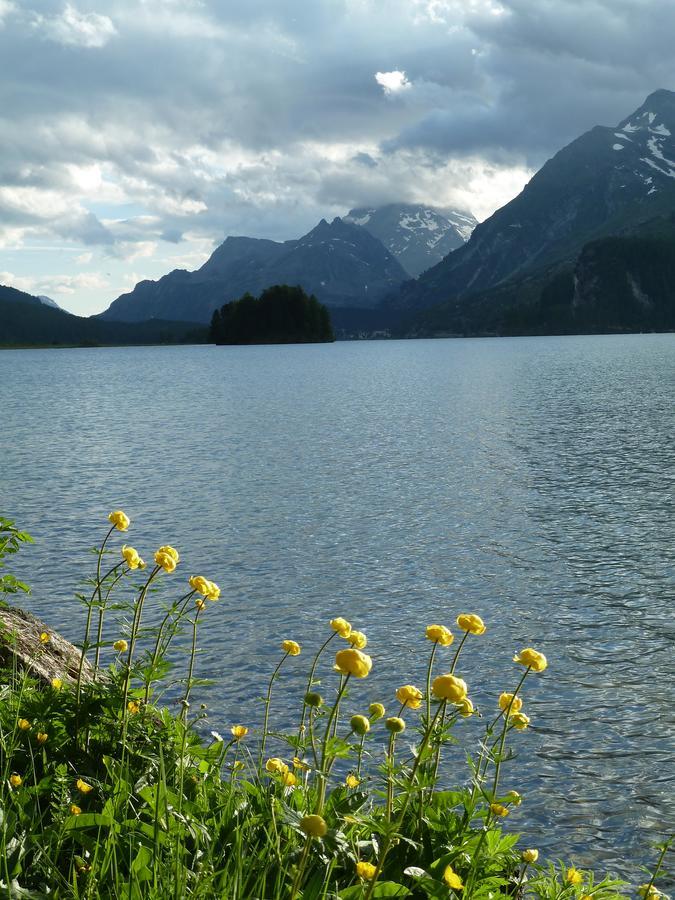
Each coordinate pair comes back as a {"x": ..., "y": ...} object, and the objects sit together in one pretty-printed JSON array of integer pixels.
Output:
[
  {"x": 609, "y": 181},
  {"x": 341, "y": 264},
  {"x": 25, "y": 319},
  {"x": 418, "y": 236},
  {"x": 48, "y": 301}
]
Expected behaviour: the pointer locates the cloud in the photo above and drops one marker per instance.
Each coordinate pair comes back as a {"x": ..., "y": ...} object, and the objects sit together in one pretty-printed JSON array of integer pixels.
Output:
[
  {"x": 71, "y": 27},
  {"x": 54, "y": 284},
  {"x": 392, "y": 82}
]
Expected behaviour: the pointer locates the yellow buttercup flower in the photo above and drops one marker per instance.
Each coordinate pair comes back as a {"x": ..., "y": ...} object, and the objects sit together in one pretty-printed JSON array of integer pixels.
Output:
[
  {"x": 366, "y": 870},
  {"x": 649, "y": 892},
  {"x": 15, "y": 780},
  {"x": 532, "y": 659},
  {"x": 452, "y": 879},
  {"x": 23, "y": 724},
  {"x": 519, "y": 721},
  {"x": 499, "y": 810},
  {"x": 41, "y": 737},
  {"x": 574, "y": 876},
  {"x": 83, "y": 787},
  {"x": 167, "y": 558},
  {"x": 376, "y": 711},
  {"x": 291, "y": 647},
  {"x": 45, "y": 637},
  {"x": 358, "y": 639},
  {"x": 131, "y": 557},
  {"x": 57, "y": 684},
  {"x": 466, "y": 709},
  {"x": 449, "y": 687},
  {"x": 352, "y": 781},
  {"x": 471, "y": 623},
  {"x": 239, "y": 732},
  {"x": 289, "y": 779},
  {"x": 360, "y": 725},
  {"x": 199, "y": 583},
  {"x": 119, "y": 519},
  {"x": 276, "y": 766},
  {"x": 513, "y": 797},
  {"x": 353, "y": 662},
  {"x": 341, "y": 626},
  {"x": 121, "y": 646},
  {"x": 313, "y": 826},
  {"x": 409, "y": 696},
  {"x": 530, "y": 856},
  {"x": 439, "y": 634},
  {"x": 395, "y": 725},
  {"x": 134, "y": 707},
  {"x": 516, "y": 703},
  {"x": 75, "y": 809}
]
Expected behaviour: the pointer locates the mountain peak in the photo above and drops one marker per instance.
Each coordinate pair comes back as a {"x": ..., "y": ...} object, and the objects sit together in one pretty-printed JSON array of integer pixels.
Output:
[{"x": 657, "y": 110}]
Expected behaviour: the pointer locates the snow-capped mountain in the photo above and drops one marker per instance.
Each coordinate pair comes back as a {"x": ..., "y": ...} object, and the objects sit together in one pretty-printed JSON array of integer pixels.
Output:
[
  {"x": 609, "y": 181},
  {"x": 418, "y": 236},
  {"x": 47, "y": 301}
]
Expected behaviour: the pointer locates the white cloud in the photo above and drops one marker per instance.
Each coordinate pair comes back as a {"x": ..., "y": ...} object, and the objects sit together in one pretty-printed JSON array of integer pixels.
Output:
[
  {"x": 75, "y": 28},
  {"x": 6, "y": 7},
  {"x": 392, "y": 82},
  {"x": 55, "y": 284}
]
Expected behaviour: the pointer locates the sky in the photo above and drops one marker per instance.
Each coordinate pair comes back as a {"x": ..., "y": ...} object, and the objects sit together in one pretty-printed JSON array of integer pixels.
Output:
[{"x": 135, "y": 135}]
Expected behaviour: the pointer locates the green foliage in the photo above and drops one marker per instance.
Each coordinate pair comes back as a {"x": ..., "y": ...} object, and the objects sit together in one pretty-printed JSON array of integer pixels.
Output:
[
  {"x": 106, "y": 794},
  {"x": 10, "y": 542},
  {"x": 280, "y": 315}
]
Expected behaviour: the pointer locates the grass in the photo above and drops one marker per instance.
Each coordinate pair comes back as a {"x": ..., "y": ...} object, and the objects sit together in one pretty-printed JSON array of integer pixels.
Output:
[{"x": 104, "y": 793}]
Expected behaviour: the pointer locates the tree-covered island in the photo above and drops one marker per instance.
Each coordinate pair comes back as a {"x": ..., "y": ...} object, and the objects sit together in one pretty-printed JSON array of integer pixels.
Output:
[{"x": 280, "y": 315}]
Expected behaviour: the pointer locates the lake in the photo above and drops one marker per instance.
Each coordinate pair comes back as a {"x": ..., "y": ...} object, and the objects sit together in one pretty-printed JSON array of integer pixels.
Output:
[{"x": 529, "y": 480}]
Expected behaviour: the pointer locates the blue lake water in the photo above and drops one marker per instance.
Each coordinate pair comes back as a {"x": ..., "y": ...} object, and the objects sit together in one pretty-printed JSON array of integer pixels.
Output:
[{"x": 529, "y": 480}]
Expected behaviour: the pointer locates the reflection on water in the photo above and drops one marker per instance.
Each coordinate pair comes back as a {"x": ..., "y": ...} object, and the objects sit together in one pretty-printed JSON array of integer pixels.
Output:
[{"x": 528, "y": 480}]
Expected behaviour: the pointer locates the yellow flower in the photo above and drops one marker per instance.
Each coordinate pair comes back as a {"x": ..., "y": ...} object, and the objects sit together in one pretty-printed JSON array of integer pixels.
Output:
[
  {"x": 313, "y": 699},
  {"x": 358, "y": 639},
  {"x": 530, "y": 856},
  {"x": 409, "y": 696},
  {"x": 119, "y": 519},
  {"x": 134, "y": 707},
  {"x": 15, "y": 780},
  {"x": 239, "y": 732},
  {"x": 341, "y": 626},
  {"x": 200, "y": 604},
  {"x": 352, "y": 781},
  {"x": 131, "y": 557},
  {"x": 353, "y": 662},
  {"x": 83, "y": 787},
  {"x": 439, "y": 634},
  {"x": 360, "y": 725},
  {"x": 649, "y": 892},
  {"x": 276, "y": 766},
  {"x": 57, "y": 684},
  {"x": 471, "y": 623},
  {"x": 366, "y": 870},
  {"x": 291, "y": 647},
  {"x": 466, "y": 709},
  {"x": 289, "y": 779},
  {"x": 45, "y": 637},
  {"x": 74, "y": 809},
  {"x": 313, "y": 826},
  {"x": 574, "y": 876},
  {"x": 452, "y": 879},
  {"x": 513, "y": 797},
  {"x": 519, "y": 721},
  {"x": 532, "y": 659},
  {"x": 121, "y": 646},
  {"x": 41, "y": 737},
  {"x": 301, "y": 764},
  {"x": 395, "y": 725},
  {"x": 23, "y": 724},
  {"x": 499, "y": 810},
  {"x": 167, "y": 558},
  {"x": 515, "y": 702},
  {"x": 449, "y": 687},
  {"x": 201, "y": 585},
  {"x": 376, "y": 711}
]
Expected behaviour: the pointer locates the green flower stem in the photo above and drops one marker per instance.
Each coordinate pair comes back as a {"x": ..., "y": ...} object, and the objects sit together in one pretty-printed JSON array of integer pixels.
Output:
[
  {"x": 429, "y": 668},
  {"x": 664, "y": 850},
  {"x": 191, "y": 668},
  {"x": 312, "y": 737},
  {"x": 135, "y": 625},
  {"x": 160, "y": 631},
  {"x": 101, "y": 611},
  {"x": 297, "y": 881},
  {"x": 503, "y": 734},
  {"x": 390, "y": 776},
  {"x": 310, "y": 682},
  {"x": 457, "y": 652},
  {"x": 267, "y": 712},
  {"x": 360, "y": 755},
  {"x": 323, "y": 774}
]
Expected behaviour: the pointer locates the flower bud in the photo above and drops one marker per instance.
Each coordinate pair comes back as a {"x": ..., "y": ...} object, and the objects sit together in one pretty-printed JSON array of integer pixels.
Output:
[
  {"x": 530, "y": 856},
  {"x": 314, "y": 699},
  {"x": 376, "y": 711},
  {"x": 360, "y": 725},
  {"x": 395, "y": 725},
  {"x": 314, "y": 826}
]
